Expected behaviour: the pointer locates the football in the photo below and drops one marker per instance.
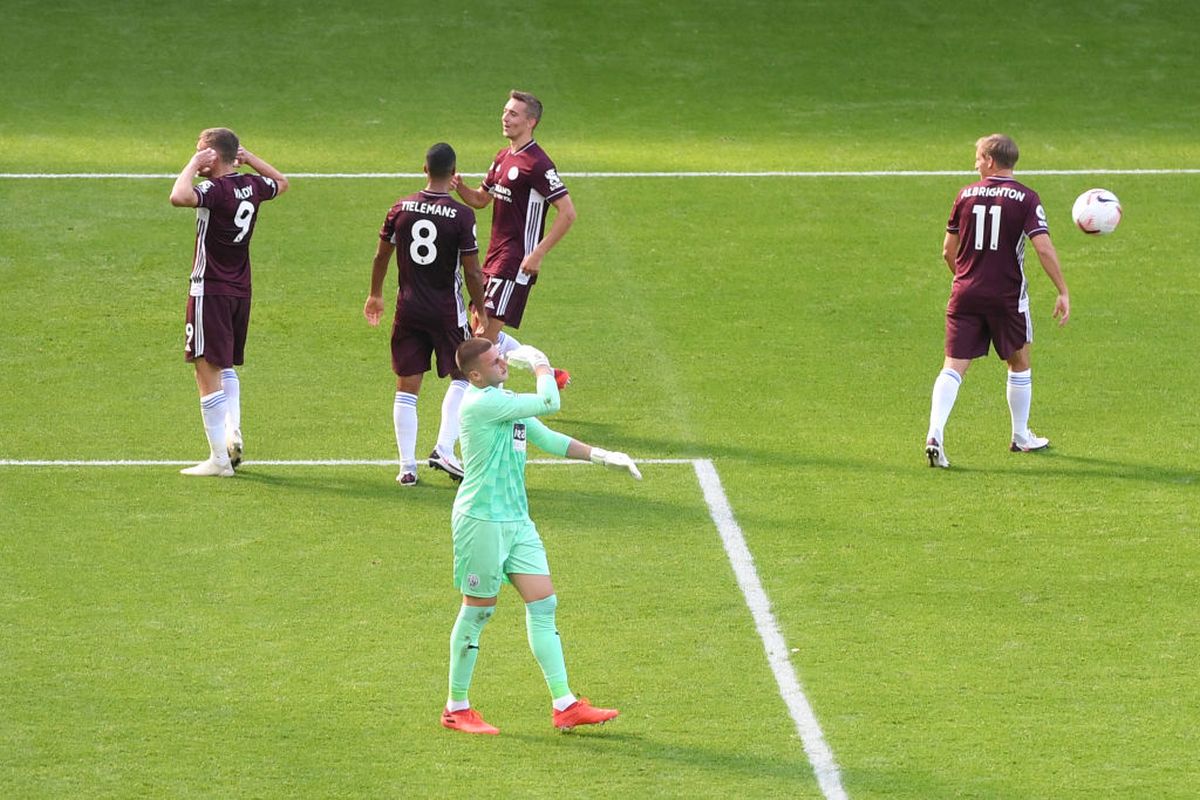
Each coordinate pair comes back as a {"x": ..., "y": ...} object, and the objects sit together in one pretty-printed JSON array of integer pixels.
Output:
[{"x": 1097, "y": 211}]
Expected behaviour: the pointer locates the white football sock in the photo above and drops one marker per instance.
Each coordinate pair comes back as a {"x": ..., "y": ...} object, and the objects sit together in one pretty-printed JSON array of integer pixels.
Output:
[
  {"x": 1020, "y": 398},
  {"x": 404, "y": 417},
  {"x": 232, "y": 386},
  {"x": 213, "y": 410},
  {"x": 448, "y": 432},
  {"x": 458, "y": 705},
  {"x": 564, "y": 702},
  {"x": 945, "y": 392},
  {"x": 504, "y": 343}
]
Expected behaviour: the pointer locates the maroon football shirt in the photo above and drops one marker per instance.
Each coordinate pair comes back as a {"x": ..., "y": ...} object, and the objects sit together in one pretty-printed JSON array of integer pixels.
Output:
[
  {"x": 431, "y": 232},
  {"x": 225, "y": 219},
  {"x": 992, "y": 218},
  {"x": 522, "y": 185}
]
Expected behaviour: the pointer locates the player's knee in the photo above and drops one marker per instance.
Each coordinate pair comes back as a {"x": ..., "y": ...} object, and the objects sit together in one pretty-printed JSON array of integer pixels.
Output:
[{"x": 544, "y": 607}]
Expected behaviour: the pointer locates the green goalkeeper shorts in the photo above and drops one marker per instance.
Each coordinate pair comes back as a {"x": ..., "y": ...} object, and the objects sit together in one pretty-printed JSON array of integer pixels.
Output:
[{"x": 486, "y": 553}]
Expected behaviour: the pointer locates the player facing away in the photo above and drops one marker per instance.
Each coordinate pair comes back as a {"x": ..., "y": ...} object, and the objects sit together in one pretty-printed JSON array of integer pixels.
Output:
[
  {"x": 495, "y": 541},
  {"x": 218, "y": 308},
  {"x": 523, "y": 181},
  {"x": 433, "y": 237},
  {"x": 989, "y": 301}
]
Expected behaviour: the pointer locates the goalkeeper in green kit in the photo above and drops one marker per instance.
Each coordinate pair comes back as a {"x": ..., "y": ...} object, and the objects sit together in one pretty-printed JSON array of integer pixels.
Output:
[{"x": 494, "y": 539}]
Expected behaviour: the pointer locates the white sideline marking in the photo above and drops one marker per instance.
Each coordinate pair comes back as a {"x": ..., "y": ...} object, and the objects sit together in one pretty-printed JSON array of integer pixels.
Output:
[
  {"x": 874, "y": 173},
  {"x": 819, "y": 755}
]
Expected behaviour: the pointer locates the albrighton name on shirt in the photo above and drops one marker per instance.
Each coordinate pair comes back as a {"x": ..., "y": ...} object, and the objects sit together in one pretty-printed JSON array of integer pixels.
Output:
[
  {"x": 429, "y": 208},
  {"x": 994, "y": 191}
]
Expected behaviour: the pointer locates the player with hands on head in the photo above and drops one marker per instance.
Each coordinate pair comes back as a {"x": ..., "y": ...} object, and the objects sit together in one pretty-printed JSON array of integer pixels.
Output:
[
  {"x": 495, "y": 541},
  {"x": 433, "y": 238},
  {"x": 218, "y": 308}
]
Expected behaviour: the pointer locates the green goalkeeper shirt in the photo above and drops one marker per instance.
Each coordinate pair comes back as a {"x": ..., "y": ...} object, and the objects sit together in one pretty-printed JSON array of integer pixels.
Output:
[{"x": 496, "y": 426}]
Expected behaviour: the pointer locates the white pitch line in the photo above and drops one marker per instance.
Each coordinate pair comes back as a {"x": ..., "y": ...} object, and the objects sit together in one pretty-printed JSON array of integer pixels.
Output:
[
  {"x": 880, "y": 173},
  {"x": 820, "y": 756}
]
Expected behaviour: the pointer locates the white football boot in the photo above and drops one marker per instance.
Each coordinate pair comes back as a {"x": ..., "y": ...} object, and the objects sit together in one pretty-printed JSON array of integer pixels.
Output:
[
  {"x": 1028, "y": 442},
  {"x": 210, "y": 468},
  {"x": 935, "y": 454}
]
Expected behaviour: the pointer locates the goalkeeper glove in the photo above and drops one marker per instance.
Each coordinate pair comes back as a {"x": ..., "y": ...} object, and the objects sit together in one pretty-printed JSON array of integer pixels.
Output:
[
  {"x": 615, "y": 460},
  {"x": 526, "y": 357}
]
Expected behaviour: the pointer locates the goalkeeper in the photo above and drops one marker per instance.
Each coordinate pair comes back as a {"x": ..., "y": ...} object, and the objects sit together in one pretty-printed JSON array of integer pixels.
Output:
[{"x": 495, "y": 541}]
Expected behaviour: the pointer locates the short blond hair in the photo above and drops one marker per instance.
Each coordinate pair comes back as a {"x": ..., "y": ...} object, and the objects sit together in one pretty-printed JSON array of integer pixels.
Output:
[
  {"x": 1000, "y": 148},
  {"x": 223, "y": 140}
]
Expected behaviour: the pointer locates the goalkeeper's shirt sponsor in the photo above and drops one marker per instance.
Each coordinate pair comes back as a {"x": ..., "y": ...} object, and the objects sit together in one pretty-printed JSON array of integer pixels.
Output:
[{"x": 497, "y": 425}]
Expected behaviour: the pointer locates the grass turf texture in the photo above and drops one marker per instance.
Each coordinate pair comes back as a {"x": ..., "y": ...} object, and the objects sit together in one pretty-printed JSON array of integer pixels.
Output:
[{"x": 1016, "y": 627}]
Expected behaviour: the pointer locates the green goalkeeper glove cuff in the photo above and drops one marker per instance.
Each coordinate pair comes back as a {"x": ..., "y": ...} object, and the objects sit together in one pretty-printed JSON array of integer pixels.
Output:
[{"x": 615, "y": 460}]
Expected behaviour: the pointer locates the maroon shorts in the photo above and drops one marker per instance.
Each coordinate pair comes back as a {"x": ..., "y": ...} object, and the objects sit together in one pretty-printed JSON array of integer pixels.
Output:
[
  {"x": 413, "y": 342},
  {"x": 968, "y": 334},
  {"x": 216, "y": 329},
  {"x": 505, "y": 299}
]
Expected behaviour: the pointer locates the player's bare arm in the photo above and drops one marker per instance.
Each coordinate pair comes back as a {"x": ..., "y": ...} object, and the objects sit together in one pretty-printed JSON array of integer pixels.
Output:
[
  {"x": 473, "y": 276},
  {"x": 373, "y": 308},
  {"x": 950, "y": 249},
  {"x": 564, "y": 218},
  {"x": 1049, "y": 258},
  {"x": 244, "y": 156},
  {"x": 182, "y": 195},
  {"x": 475, "y": 198}
]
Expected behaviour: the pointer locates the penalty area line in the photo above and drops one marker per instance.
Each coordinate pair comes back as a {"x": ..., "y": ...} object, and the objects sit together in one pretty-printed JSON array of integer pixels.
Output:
[{"x": 820, "y": 756}]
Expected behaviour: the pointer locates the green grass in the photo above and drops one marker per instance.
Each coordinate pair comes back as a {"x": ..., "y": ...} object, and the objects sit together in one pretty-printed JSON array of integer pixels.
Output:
[{"x": 1018, "y": 626}]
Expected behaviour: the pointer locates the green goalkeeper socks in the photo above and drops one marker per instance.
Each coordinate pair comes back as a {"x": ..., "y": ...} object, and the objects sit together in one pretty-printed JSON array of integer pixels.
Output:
[
  {"x": 464, "y": 647},
  {"x": 546, "y": 645}
]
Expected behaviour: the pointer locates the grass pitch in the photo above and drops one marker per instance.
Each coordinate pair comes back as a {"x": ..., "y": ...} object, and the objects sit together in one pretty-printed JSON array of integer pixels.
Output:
[{"x": 1019, "y": 626}]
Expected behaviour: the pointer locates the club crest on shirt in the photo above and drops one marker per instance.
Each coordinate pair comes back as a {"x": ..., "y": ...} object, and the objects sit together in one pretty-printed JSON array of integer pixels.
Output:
[
  {"x": 519, "y": 437},
  {"x": 513, "y": 172}
]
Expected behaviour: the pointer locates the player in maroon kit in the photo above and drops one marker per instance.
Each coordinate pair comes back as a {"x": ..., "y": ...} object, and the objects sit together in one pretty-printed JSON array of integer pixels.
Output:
[
  {"x": 218, "y": 310},
  {"x": 434, "y": 240},
  {"x": 989, "y": 303},
  {"x": 523, "y": 181}
]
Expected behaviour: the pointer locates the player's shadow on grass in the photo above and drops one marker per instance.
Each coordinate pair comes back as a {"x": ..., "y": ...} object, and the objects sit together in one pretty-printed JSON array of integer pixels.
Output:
[
  {"x": 351, "y": 482},
  {"x": 1090, "y": 467},
  {"x": 644, "y": 753}
]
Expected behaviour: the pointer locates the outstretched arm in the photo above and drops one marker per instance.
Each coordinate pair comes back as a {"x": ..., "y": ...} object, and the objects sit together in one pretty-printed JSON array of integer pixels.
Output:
[
  {"x": 562, "y": 445},
  {"x": 1049, "y": 258}
]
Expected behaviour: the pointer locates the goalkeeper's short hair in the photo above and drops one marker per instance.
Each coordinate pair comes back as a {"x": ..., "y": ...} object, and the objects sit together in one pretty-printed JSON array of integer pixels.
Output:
[{"x": 468, "y": 352}]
